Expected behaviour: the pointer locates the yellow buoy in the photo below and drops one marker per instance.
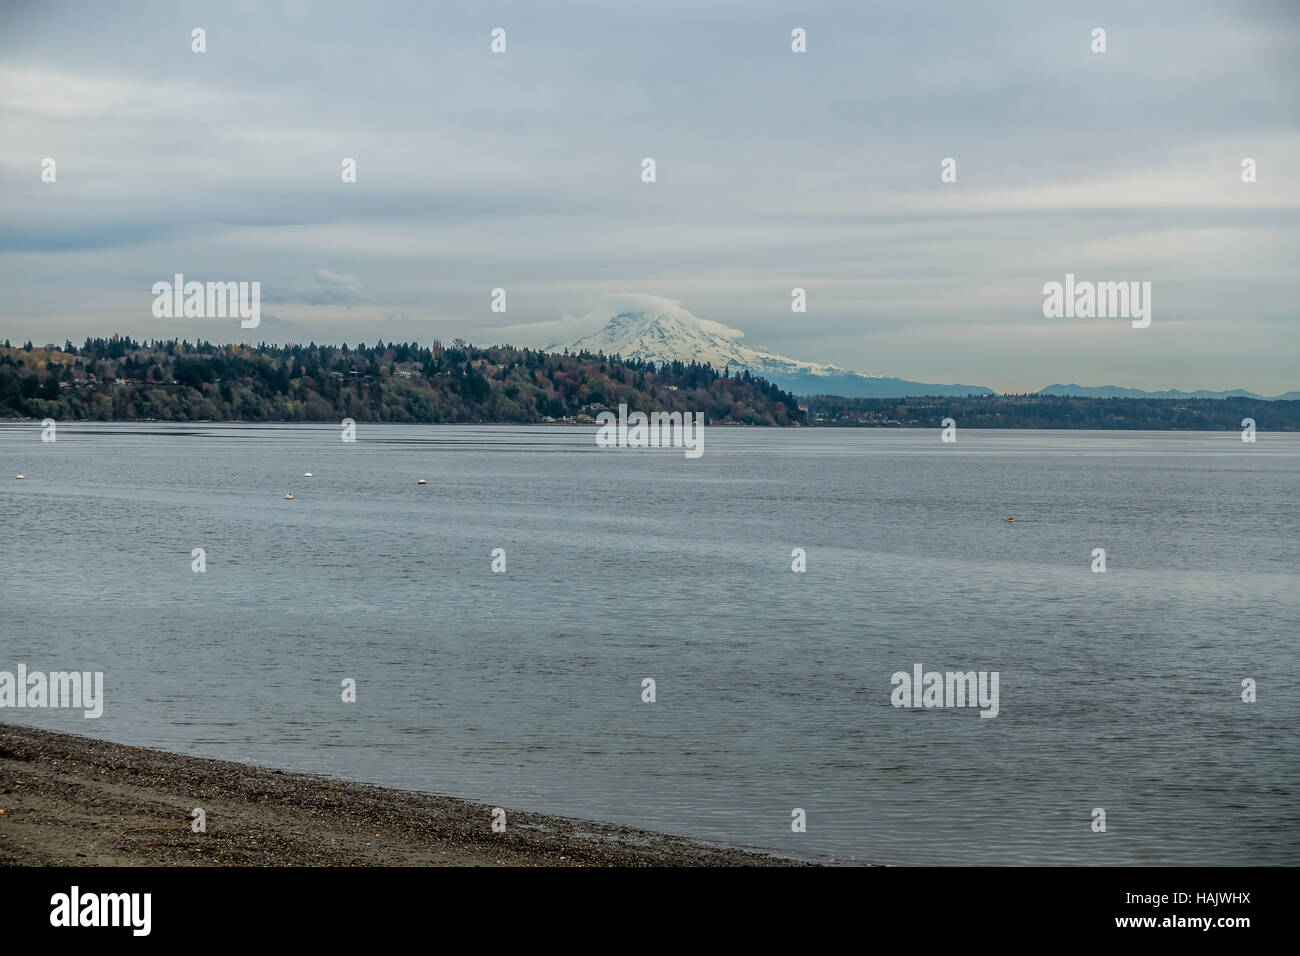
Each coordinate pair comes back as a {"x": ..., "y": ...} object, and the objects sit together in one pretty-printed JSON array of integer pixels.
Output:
[
  {"x": 288, "y": 497},
  {"x": 421, "y": 482}
]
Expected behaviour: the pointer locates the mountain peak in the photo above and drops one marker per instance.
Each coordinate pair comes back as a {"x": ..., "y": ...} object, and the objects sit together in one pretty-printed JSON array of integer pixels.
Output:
[{"x": 654, "y": 329}]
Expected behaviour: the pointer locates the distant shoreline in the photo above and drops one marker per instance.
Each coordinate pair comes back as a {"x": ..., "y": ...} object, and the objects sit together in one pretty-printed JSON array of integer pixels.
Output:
[
  {"x": 121, "y": 380},
  {"x": 1282, "y": 427},
  {"x": 77, "y": 801}
]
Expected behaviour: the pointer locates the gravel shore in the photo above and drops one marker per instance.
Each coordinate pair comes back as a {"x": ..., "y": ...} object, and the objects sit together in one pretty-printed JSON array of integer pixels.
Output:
[{"x": 68, "y": 800}]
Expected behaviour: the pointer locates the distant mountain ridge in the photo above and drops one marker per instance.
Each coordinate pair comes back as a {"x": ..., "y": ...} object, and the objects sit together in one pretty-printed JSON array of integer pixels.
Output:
[
  {"x": 1115, "y": 391},
  {"x": 653, "y": 329}
]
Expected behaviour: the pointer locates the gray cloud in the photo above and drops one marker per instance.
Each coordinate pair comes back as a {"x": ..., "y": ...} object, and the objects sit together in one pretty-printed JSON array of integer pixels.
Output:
[
  {"x": 328, "y": 288},
  {"x": 775, "y": 170}
]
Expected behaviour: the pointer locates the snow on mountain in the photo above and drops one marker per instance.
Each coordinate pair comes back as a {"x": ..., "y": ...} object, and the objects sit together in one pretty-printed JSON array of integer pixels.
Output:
[{"x": 651, "y": 328}]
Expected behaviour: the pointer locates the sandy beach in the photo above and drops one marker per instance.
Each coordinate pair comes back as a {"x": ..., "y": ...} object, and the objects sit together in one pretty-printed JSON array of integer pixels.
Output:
[{"x": 67, "y": 800}]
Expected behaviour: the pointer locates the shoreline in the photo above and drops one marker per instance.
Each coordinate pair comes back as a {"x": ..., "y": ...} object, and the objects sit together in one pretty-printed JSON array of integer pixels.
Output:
[
  {"x": 836, "y": 426},
  {"x": 67, "y": 800}
]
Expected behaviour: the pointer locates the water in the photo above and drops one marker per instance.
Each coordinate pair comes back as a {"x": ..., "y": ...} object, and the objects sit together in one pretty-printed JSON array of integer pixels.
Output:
[{"x": 1119, "y": 690}]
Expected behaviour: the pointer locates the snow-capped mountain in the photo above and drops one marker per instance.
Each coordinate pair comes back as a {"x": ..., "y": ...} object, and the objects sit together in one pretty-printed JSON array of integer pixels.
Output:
[{"x": 654, "y": 329}]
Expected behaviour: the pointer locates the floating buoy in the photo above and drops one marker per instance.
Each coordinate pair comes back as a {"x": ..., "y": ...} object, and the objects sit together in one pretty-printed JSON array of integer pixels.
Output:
[
  {"x": 307, "y": 474},
  {"x": 19, "y": 477},
  {"x": 288, "y": 497},
  {"x": 421, "y": 482},
  {"x": 1008, "y": 519}
]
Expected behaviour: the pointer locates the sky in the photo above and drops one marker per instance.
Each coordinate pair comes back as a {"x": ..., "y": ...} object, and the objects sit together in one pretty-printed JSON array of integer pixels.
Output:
[{"x": 775, "y": 170}]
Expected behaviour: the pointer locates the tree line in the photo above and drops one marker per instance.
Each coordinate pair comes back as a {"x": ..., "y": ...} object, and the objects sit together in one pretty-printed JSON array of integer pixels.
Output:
[
  {"x": 121, "y": 379},
  {"x": 1054, "y": 411}
]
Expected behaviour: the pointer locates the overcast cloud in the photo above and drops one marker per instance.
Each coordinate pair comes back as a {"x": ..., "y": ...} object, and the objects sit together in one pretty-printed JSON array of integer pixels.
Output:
[{"x": 775, "y": 170}]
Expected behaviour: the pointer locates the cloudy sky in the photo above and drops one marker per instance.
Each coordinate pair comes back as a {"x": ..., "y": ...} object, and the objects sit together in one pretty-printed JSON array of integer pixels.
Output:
[{"x": 775, "y": 170}]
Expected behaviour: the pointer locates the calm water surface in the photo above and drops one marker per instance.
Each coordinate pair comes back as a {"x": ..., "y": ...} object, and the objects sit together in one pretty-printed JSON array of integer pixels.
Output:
[{"x": 1119, "y": 690}]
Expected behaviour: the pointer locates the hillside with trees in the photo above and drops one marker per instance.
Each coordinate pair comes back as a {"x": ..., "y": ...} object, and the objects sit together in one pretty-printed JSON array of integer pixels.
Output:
[
  {"x": 118, "y": 379},
  {"x": 1054, "y": 411}
]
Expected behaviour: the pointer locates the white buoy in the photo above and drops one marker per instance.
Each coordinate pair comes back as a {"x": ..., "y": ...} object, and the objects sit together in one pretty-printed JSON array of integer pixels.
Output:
[
  {"x": 307, "y": 474},
  {"x": 420, "y": 482},
  {"x": 19, "y": 477},
  {"x": 288, "y": 497}
]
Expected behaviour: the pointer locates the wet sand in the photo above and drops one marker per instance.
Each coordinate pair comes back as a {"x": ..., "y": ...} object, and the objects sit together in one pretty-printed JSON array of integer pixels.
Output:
[{"x": 70, "y": 801}]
